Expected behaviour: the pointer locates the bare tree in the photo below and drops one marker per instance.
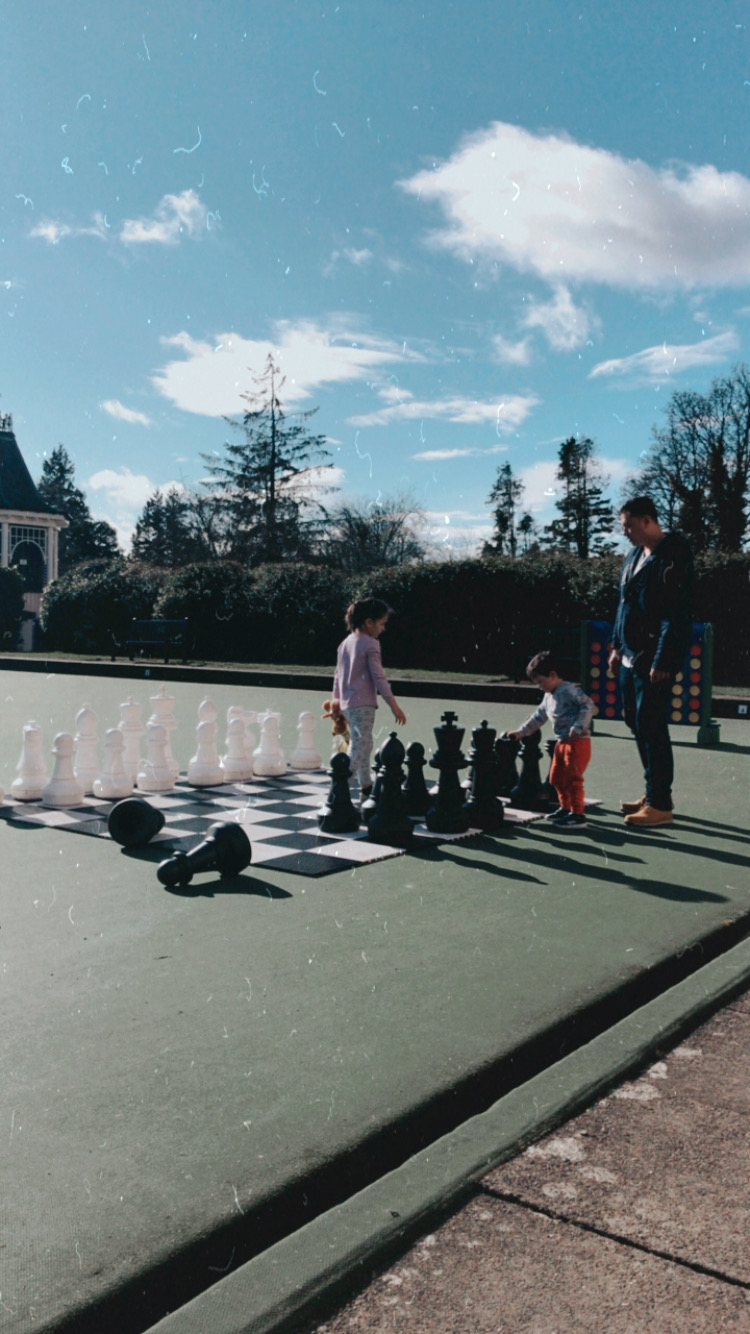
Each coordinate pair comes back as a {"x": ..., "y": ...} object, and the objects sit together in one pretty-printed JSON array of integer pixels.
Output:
[{"x": 366, "y": 534}]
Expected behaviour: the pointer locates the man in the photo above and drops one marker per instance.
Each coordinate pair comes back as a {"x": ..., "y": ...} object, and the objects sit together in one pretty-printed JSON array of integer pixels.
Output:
[{"x": 651, "y": 637}]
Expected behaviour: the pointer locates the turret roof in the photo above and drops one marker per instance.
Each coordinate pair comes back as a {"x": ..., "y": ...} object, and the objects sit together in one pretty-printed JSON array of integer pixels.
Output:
[{"x": 17, "y": 490}]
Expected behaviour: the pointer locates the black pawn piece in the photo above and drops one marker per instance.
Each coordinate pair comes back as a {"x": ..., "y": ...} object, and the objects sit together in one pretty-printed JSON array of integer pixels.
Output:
[
  {"x": 447, "y": 814},
  {"x": 339, "y": 815},
  {"x": 504, "y": 753},
  {"x": 226, "y": 849},
  {"x": 548, "y": 792},
  {"x": 133, "y": 822},
  {"x": 415, "y": 789},
  {"x": 370, "y": 802},
  {"x": 389, "y": 823},
  {"x": 483, "y": 807},
  {"x": 527, "y": 794}
]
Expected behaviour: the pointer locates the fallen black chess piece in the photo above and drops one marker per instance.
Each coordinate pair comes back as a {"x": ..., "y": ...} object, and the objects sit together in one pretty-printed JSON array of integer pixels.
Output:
[
  {"x": 133, "y": 822},
  {"x": 226, "y": 849}
]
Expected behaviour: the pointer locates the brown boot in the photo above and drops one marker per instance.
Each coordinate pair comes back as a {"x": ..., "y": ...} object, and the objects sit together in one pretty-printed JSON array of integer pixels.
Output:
[
  {"x": 648, "y": 817},
  {"x": 630, "y": 807}
]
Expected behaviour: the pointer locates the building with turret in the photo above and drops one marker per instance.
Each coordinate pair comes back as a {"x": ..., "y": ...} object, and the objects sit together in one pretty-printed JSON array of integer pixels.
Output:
[{"x": 29, "y": 529}]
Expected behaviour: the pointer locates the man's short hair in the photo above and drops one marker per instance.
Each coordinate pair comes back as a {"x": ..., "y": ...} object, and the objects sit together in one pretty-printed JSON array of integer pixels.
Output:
[{"x": 640, "y": 507}]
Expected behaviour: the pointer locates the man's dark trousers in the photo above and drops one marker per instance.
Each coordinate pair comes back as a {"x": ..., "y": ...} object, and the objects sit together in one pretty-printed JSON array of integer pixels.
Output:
[{"x": 645, "y": 704}]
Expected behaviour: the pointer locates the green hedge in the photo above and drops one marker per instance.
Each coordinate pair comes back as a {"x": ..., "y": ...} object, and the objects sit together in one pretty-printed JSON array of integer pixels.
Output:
[{"x": 480, "y": 616}]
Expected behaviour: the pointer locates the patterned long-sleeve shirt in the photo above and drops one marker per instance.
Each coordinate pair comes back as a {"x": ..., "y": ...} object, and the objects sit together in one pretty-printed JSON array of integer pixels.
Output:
[
  {"x": 359, "y": 677},
  {"x": 568, "y": 709}
]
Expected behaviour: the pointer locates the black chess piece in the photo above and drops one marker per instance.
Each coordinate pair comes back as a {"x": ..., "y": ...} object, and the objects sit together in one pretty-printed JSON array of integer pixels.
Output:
[
  {"x": 548, "y": 791},
  {"x": 367, "y": 808},
  {"x": 226, "y": 849},
  {"x": 483, "y": 807},
  {"x": 447, "y": 814},
  {"x": 418, "y": 799},
  {"x": 389, "y": 823},
  {"x": 504, "y": 753},
  {"x": 339, "y": 815},
  {"x": 132, "y": 822},
  {"x": 527, "y": 794}
]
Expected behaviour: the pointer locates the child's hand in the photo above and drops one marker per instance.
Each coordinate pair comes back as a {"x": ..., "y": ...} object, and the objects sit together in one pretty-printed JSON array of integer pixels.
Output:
[
  {"x": 514, "y": 736},
  {"x": 398, "y": 714}
]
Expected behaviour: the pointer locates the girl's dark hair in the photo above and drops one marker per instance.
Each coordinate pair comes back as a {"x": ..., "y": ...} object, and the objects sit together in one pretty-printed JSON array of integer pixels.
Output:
[
  {"x": 542, "y": 664},
  {"x": 367, "y": 609}
]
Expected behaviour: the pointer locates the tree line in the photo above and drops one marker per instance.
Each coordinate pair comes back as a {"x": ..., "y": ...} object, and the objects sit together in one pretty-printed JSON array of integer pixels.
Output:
[{"x": 266, "y": 498}]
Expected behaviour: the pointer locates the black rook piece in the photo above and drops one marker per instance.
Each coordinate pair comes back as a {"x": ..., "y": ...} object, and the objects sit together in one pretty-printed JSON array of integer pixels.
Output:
[
  {"x": 389, "y": 823},
  {"x": 483, "y": 807},
  {"x": 132, "y": 822},
  {"x": 225, "y": 849},
  {"x": 415, "y": 789},
  {"x": 448, "y": 814},
  {"x": 339, "y": 815},
  {"x": 504, "y": 752}
]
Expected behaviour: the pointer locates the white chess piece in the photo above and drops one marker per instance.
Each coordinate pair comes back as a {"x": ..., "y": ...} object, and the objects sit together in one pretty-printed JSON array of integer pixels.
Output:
[
  {"x": 305, "y": 756},
  {"x": 113, "y": 783},
  {"x": 63, "y": 788},
  {"x": 155, "y": 774},
  {"x": 31, "y": 768},
  {"x": 86, "y": 762},
  {"x": 235, "y": 764},
  {"x": 204, "y": 769},
  {"x": 132, "y": 730},
  {"x": 161, "y": 713},
  {"x": 268, "y": 758},
  {"x": 248, "y": 718}
]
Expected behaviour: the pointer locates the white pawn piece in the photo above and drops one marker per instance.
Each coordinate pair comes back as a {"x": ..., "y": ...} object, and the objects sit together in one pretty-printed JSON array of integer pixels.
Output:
[
  {"x": 63, "y": 788},
  {"x": 235, "y": 764},
  {"x": 305, "y": 756},
  {"x": 86, "y": 763},
  {"x": 248, "y": 718},
  {"x": 31, "y": 768},
  {"x": 268, "y": 758},
  {"x": 155, "y": 775},
  {"x": 205, "y": 769},
  {"x": 113, "y": 783},
  {"x": 161, "y": 712},
  {"x": 132, "y": 730}
]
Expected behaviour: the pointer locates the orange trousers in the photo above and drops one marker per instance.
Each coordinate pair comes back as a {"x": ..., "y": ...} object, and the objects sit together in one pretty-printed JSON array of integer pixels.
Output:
[{"x": 569, "y": 764}]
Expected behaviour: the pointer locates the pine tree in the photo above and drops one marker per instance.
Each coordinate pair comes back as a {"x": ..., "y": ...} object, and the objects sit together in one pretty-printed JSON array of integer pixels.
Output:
[
  {"x": 165, "y": 533},
  {"x": 513, "y": 532},
  {"x": 84, "y": 538},
  {"x": 586, "y": 518},
  {"x": 264, "y": 483}
]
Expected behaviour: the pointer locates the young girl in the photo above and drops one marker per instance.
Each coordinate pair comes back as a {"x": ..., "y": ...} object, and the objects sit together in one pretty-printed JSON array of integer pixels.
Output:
[{"x": 359, "y": 679}]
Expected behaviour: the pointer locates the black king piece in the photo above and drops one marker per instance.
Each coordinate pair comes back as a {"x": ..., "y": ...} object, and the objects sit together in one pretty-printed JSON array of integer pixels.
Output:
[{"x": 448, "y": 814}]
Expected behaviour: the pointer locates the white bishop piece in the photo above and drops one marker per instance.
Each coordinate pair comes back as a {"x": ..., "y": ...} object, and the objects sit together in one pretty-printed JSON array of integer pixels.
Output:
[
  {"x": 132, "y": 730},
  {"x": 161, "y": 706},
  {"x": 86, "y": 763}
]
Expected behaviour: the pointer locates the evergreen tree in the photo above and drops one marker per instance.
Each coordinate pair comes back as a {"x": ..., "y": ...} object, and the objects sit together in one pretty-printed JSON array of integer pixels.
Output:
[
  {"x": 513, "y": 532},
  {"x": 84, "y": 538},
  {"x": 165, "y": 534},
  {"x": 264, "y": 486},
  {"x": 586, "y": 518}
]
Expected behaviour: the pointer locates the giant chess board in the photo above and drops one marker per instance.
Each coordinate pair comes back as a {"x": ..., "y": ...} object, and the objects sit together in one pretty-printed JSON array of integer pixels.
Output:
[{"x": 279, "y": 816}]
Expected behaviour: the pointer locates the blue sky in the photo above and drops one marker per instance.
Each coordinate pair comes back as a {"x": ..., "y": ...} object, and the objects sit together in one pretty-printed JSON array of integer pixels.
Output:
[{"x": 466, "y": 230}]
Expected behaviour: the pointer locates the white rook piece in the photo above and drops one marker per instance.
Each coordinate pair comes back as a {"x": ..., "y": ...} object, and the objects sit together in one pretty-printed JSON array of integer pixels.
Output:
[
  {"x": 63, "y": 788},
  {"x": 305, "y": 756},
  {"x": 268, "y": 759},
  {"x": 31, "y": 768},
  {"x": 155, "y": 774},
  {"x": 86, "y": 763},
  {"x": 132, "y": 730},
  {"x": 113, "y": 783}
]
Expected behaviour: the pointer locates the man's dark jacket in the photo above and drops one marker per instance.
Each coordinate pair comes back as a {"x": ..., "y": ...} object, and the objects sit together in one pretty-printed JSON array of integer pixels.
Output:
[{"x": 653, "y": 619}]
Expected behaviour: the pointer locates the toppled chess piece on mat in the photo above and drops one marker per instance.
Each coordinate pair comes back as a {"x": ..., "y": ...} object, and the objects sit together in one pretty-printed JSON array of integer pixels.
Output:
[
  {"x": 133, "y": 822},
  {"x": 225, "y": 849}
]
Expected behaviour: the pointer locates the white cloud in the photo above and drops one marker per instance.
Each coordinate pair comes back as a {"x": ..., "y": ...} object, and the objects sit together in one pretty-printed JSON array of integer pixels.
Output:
[
  {"x": 55, "y": 232},
  {"x": 668, "y": 359},
  {"x": 117, "y": 409},
  {"x": 548, "y": 205},
  {"x": 506, "y": 415},
  {"x": 540, "y": 485},
  {"x": 211, "y": 378},
  {"x": 511, "y": 354},
  {"x": 174, "y": 216},
  {"x": 565, "y": 325}
]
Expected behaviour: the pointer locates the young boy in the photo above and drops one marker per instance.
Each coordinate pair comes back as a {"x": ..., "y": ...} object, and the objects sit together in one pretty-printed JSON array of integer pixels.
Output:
[{"x": 570, "y": 712}]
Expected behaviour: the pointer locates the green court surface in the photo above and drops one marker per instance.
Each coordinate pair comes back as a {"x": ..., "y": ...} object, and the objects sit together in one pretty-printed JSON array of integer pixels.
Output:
[{"x": 187, "y": 1077}]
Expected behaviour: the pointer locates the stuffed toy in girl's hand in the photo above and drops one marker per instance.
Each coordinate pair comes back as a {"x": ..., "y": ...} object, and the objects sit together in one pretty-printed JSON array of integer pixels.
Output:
[{"x": 340, "y": 729}]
